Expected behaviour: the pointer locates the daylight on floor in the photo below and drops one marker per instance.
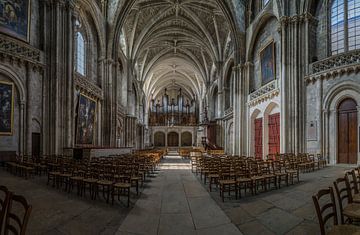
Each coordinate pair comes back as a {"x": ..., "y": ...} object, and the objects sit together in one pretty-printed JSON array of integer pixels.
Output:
[{"x": 177, "y": 117}]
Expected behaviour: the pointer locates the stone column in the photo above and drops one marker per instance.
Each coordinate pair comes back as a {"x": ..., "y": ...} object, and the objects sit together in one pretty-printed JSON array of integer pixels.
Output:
[
  {"x": 29, "y": 79},
  {"x": 294, "y": 59},
  {"x": 22, "y": 129}
]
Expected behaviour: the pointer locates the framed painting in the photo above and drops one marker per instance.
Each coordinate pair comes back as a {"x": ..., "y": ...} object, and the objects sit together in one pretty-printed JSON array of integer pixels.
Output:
[
  {"x": 267, "y": 61},
  {"x": 6, "y": 108},
  {"x": 86, "y": 120},
  {"x": 15, "y": 18}
]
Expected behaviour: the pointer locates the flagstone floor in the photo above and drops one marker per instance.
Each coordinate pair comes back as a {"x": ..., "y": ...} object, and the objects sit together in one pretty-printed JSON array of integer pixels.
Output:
[{"x": 175, "y": 201}]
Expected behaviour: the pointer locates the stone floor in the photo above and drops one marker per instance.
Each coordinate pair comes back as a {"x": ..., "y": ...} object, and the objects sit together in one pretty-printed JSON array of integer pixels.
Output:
[
  {"x": 175, "y": 202},
  {"x": 289, "y": 210},
  {"x": 57, "y": 212}
]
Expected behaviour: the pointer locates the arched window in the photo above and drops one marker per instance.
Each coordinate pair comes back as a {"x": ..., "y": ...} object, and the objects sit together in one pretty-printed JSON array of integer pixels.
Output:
[
  {"x": 80, "y": 54},
  {"x": 345, "y": 25},
  {"x": 265, "y": 2}
]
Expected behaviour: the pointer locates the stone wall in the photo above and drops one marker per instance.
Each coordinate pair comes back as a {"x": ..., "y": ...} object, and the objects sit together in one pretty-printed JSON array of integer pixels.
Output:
[{"x": 265, "y": 36}]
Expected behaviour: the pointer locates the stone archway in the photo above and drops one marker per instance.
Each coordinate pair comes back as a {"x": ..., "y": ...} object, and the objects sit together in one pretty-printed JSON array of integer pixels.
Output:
[
  {"x": 330, "y": 127},
  {"x": 159, "y": 139},
  {"x": 173, "y": 139},
  {"x": 186, "y": 139}
]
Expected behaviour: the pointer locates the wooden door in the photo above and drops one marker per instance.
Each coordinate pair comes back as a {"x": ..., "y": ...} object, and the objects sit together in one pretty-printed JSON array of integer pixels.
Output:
[
  {"x": 274, "y": 133},
  {"x": 259, "y": 138},
  {"x": 35, "y": 144},
  {"x": 173, "y": 139},
  {"x": 347, "y": 132}
]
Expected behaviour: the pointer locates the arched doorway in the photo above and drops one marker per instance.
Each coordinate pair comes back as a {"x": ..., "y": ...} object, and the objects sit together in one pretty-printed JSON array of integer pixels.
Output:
[
  {"x": 173, "y": 139},
  {"x": 186, "y": 139},
  {"x": 159, "y": 139},
  {"x": 258, "y": 138},
  {"x": 347, "y": 131}
]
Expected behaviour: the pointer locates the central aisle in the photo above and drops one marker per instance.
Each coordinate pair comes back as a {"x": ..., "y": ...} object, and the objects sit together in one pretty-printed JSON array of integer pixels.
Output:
[{"x": 176, "y": 203}]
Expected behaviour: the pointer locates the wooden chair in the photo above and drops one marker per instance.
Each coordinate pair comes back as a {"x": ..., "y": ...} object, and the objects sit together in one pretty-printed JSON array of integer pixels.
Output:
[
  {"x": 213, "y": 174},
  {"x": 280, "y": 172},
  {"x": 15, "y": 223},
  {"x": 268, "y": 173},
  {"x": 257, "y": 177},
  {"x": 321, "y": 160},
  {"x": 328, "y": 211},
  {"x": 121, "y": 188},
  {"x": 352, "y": 181},
  {"x": 4, "y": 202},
  {"x": 244, "y": 181},
  {"x": 347, "y": 209},
  {"x": 227, "y": 183}
]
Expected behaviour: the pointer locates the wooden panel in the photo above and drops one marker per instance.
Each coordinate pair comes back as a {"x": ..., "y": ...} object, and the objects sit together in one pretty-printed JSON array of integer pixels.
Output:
[
  {"x": 274, "y": 133},
  {"x": 352, "y": 117},
  {"x": 347, "y": 132},
  {"x": 343, "y": 138},
  {"x": 258, "y": 138},
  {"x": 173, "y": 139}
]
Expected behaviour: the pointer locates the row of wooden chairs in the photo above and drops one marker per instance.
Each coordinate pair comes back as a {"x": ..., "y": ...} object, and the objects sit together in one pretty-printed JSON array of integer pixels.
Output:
[
  {"x": 113, "y": 176},
  {"x": 14, "y": 212},
  {"x": 348, "y": 200},
  {"x": 234, "y": 174}
]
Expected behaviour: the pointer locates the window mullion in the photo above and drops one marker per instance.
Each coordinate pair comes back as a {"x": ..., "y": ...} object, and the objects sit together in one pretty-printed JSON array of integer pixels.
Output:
[{"x": 346, "y": 26}]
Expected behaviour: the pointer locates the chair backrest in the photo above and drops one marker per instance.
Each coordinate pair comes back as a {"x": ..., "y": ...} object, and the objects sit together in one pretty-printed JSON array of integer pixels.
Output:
[
  {"x": 15, "y": 223},
  {"x": 4, "y": 202},
  {"x": 327, "y": 210},
  {"x": 353, "y": 182},
  {"x": 343, "y": 193}
]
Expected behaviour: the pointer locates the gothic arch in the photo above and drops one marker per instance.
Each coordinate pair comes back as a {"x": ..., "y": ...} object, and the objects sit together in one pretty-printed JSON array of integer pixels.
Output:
[
  {"x": 90, "y": 7},
  {"x": 329, "y": 131},
  {"x": 12, "y": 75},
  {"x": 262, "y": 21}
]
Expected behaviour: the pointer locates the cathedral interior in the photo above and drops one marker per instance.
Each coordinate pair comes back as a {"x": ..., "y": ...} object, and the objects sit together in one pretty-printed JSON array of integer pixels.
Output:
[{"x": 180, "y": 117}]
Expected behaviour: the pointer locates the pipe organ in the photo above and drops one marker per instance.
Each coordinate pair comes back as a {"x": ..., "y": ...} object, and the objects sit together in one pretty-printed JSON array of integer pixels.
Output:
[{"x": 172, "y": 111}]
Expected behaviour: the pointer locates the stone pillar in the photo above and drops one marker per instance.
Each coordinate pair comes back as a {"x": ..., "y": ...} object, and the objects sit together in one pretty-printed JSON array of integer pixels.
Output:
[
  {"x": 22, "y": 129},
  {"x": 29, "y": 108},
  {"x": 294, "y": 60}
]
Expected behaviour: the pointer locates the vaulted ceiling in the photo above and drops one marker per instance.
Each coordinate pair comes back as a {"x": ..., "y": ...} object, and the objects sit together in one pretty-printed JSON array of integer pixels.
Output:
[{"x": 176, "y": 43}]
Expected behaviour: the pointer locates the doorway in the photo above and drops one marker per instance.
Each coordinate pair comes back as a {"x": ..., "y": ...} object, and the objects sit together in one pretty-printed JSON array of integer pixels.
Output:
[
  {"x": 36, "y": 144},
  {"x": 173, "y": 139},
  {"x": 274, "y": 133},
  {"x": 347, "y": 132},
  {"x": 258, "y": 138}
]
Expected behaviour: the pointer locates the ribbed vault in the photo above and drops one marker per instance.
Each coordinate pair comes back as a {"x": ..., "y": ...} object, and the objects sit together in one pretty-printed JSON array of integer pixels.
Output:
[{"x": 177, "y": 44}]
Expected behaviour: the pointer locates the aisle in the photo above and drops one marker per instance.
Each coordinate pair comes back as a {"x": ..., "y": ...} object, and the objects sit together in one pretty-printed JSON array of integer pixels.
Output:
[{"x": 176, "y": 203}]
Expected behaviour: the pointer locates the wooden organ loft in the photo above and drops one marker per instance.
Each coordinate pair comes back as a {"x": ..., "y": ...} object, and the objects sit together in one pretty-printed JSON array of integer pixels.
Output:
[{"x": 173, "y": 111}]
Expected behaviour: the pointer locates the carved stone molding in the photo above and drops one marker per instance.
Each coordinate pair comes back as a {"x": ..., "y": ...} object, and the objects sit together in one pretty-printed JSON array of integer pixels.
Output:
[
  {"x": 228, "y": 114},
  {"x": 266, "y": 92},
  {"x": 88, "y": 87},
  {"x": 19, "y": 51},
  {"x": 337, "y": 65}
]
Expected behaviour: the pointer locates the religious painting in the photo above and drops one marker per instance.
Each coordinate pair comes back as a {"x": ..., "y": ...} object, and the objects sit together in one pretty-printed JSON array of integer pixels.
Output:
[
  {"x": 86, "y": 120},
  {"x": 6, "y": 108},
  {"x": 15, "y": 18},
  {"x": 267, "y": 60}
]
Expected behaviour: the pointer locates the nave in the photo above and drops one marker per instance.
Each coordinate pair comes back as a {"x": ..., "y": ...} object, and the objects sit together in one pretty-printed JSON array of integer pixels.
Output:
[{"x": 172, "y": 202}]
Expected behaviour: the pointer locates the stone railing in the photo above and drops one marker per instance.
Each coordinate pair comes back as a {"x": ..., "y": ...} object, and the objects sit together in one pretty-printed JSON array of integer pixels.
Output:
[
  {"x": 16, "y": 49},
  {"x": 228, "y": 111},
  {"x": 335, "y": 65},
  {"x": 264, "y": 93},
  {"x": 88, "y": 87}
]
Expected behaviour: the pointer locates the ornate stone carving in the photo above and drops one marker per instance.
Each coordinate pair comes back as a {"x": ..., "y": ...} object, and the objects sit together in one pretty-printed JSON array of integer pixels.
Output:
[
  {"x": 266, "y": 92},
  {"x": 17, "y": 50},
  {"x": 88, "y": 87},
  {"x": 344, "y": 63}
]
